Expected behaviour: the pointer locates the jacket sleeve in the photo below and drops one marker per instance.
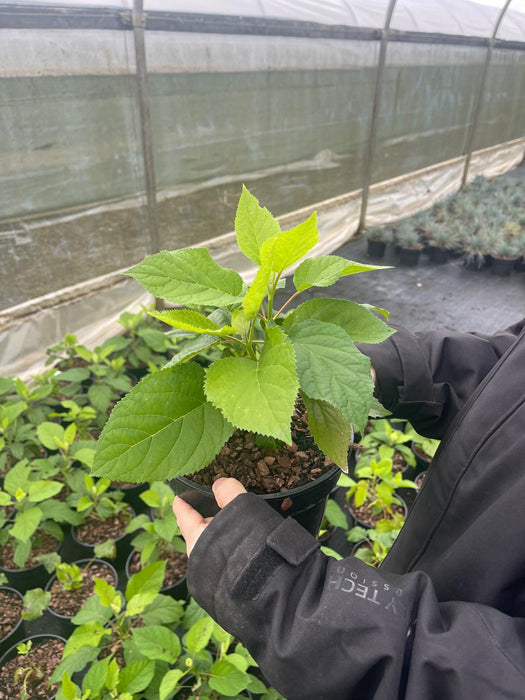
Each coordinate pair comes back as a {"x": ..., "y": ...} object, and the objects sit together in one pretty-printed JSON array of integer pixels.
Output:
[
  {"x": 427, "y": 377},
  {"x": 323, "y": 629}
]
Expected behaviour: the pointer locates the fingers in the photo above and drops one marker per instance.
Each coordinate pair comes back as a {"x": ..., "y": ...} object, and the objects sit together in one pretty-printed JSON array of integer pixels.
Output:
[
  {"x": 191, "y": 522},
  {"x": 225, "y": 490}
]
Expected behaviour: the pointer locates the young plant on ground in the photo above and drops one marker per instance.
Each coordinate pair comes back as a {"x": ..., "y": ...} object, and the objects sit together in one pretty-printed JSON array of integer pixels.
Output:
[
  {"x": 382, "y": 436},
  {"x": 175, "y": 421}
]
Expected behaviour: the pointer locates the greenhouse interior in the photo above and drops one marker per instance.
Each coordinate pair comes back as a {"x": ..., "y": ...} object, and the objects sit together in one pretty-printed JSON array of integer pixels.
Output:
[{"x": 281, "y": 241}]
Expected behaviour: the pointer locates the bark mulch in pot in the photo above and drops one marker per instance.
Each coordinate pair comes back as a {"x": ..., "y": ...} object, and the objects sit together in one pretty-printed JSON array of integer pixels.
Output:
[
  {"x": 95, "y": 531},
  {"x": 11, "y": 606},
  {"x": 42, "y": 544},
  {"x": 365, "y": 514},
  {"x": 68, "y": 603},
  {"x": 45, "y": 656},
  {"x": 265, "y": 470}
]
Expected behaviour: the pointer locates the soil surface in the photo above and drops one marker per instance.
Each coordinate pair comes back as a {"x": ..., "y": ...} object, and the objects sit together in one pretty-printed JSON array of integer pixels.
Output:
[
  {"x": 42, "y": 544},
  {"x": 266, "y": 470},
  {"x": 68, "y": 603},
  {"x": 45, "y": 655},
  {"x": 365, "y": 514},
  {"x": 176, "y": 566},
  {"x": 10, "y": 611},
  {"x": 96, "y": 531}
]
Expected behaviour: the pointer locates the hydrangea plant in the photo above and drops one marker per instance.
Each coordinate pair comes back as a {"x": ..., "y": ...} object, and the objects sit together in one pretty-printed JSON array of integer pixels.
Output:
[{"x": 175, "y": 421}]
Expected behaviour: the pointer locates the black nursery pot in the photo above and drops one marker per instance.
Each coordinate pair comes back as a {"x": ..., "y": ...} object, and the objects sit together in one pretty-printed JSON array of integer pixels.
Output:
[
  {"x": 12, "y": 652},
  {"x": 305, "y": 504},
  {"x": 409, "y": 256},
  {"x": 438, "y": 255},
  {"x": 18, "y": 632},
  {"x": 33, "y": 577},
  {"x": 178, "y": 590},
  {"x": 375, "y": 249},
  {"x": 81, "y": 550},
  {"x": 502, "y": 266}
]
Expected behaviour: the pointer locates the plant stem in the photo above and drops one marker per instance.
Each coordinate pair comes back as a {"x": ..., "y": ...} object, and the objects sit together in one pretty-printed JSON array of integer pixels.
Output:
[{"x": 283, "y": 307}]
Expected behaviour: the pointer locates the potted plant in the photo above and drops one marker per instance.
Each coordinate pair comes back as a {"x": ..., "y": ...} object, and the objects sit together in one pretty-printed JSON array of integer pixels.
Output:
[
  {"x": 26, "y": 668},
  {"x": 443, "y": 238},
  {"x": 385, "y": 441},
  {"x": 376, "y": 240},
  {"x": 409, "y": 243},
  {"x": 371, "y": 545},
  {"x": 276, "y": 366},
  {"x": 504, "y": 255},
  {"x": 475, "y": 247}
]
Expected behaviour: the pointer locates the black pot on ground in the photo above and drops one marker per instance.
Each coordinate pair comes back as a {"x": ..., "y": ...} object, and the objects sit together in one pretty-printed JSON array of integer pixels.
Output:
[
  {"x": 502, "y": 266},
  {"x": 375, "y": 248},
  {"x": 76, "y": 549},
  {"x": 305, "y": 504},
  {"x": 409, "y": 256},
  {"x": 32, "y": 577},
  {"x": 12, "y": 689},
  {"x": 12, "y": 630},
  {"x": 438, "y": 255},
  {"x": 366, "y": 525}
]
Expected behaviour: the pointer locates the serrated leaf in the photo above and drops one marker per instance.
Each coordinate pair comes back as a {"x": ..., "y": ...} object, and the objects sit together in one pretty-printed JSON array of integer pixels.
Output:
[
  {"x": 163, "y": 428},
  {"x": 92, "y": 611},
  {"x": 359, "y": 322},
  {"x": 193, "y": 321},
  {"x": 164, "y": 610},
  {"x": 157, "y": 643},
  {"x": 335, "y": 515},
  {"x": 330, "y": 430},
  {"x": 136, "y": 676},
  {"x": 199, "y": 634},
  {"x": 43, "y": 489},
  {"x": 74, "y": 663},
  {"x": 258, "y": 396},
  {"x": 227, "y": 679},
  {"x": 285, "y": 249},
  {"x": 253, "y": 225},
  {"x": 330, "y": 368},
  {"x": 257, "y": 290},
  {"x": 95, "y": 678},
  {"x": 148, "y": 580},
  {"x": 188, "y": 276},
  {"x": 50, "y": 434},
  {"x": 325, "y": 270},
  {"x": 77, "y": 374},
  {"x": 26, "y": 523}
]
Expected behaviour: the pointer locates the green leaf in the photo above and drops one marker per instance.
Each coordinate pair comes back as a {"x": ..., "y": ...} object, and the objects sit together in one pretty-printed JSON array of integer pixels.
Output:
[
  {"x": 325, "y": 270},
  {"x": 92, "y": 611},
  {"x": 257, "y": 396},
  {"x": 257, "y": 290},
  {"x": 227, "y": 679},
  {"x": 193, "y": 321},
  {"x": 50, "y": 434},
  {"x": 77, "y": 374},
  {"x": 330, "y": 430},
  {"x": 330, "y": 368},
  {"x": 157, "y": 643},
  {"x": 164, "y": 610},
  {"x": 335, "y": 515},
  {"x": 169, "y": 683},
  {"x": 288, "y": 247},
  {"x": 253, "y": 225},
  {"x": 191, "y": 348},
  {"x": 163, "y": 428},
  {"x": 26, "y": 523},
  {"x": 199, "y": 634},
  {"x": 36, "y": 601},
  {"x": 136, "y": 676},
  {"x": 42, "y": 489},
  {"x": 88, "y": 635},
  {"x": 75, "y": 662},
  {"x": 95, "y": 678},
  {"x": 188, "y": 276},
  {"x": 148, "y": 580},
  {"x": 357, "y": 321},
  {"x": 100, "y": 396}
]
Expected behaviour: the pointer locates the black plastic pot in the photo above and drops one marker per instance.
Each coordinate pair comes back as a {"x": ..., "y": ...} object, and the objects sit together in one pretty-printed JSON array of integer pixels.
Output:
[
  {"x": 366, "y": 525},
  {"x": 409, "y": 256},
  {"x": 32, "y": 577},
  {"x": 82, "y": 550},
  {"x": 502, "y": 266},
  {"x": 375, "y": 249},
  {"x": 178, "y": 590},
  {"x": 18, "y": 632},
  {"x": 61, "y": 624},
  {"x": 12, "y": 652},
  {"x": 305, "y": 504},
  {"x": 438, "y": 255},
  {"x": 132, "y": 495}
]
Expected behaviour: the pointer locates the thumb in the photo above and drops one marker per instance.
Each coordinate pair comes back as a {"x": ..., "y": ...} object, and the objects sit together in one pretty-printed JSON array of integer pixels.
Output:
[{"x": 225, "y": 490}]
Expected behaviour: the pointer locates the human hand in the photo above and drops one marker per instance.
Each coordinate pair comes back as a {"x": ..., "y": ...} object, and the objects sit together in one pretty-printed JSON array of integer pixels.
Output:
[{"x": 191, "y": 522}]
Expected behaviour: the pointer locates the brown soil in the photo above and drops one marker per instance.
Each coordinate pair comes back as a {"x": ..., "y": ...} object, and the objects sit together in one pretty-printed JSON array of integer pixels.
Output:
[
  {"x": 68, "y": 603},
  {"x": 10, "y": 611},
  {"x": 365, "y": 515},
  {"x": 45, "y": 656},
  {"x": 95, "y": 531},
  {"x": 42, "y": 544},
  {"x": 420, "y": 478},
  {"x": 268, "y": 470},
  {"x": 176, "y": 565},
  {"x": 422, "y": 454}
]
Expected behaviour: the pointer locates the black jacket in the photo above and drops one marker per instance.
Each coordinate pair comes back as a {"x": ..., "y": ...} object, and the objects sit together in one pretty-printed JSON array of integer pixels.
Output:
[{"x": 444, "y": 617}]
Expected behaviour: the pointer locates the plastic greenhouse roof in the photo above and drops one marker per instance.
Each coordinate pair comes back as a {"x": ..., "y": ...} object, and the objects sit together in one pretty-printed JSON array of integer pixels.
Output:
[{"x": 475, "y": 18}]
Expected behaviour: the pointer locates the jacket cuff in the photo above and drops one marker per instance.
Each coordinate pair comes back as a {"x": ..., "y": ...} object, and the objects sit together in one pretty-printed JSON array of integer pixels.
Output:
[{"x": 240, "y": 550}]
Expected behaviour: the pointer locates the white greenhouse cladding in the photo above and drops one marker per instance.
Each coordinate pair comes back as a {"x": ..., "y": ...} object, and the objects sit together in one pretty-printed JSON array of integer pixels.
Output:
[{"x": 129, "y": 127}]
